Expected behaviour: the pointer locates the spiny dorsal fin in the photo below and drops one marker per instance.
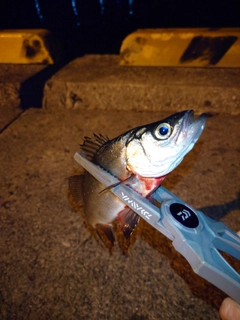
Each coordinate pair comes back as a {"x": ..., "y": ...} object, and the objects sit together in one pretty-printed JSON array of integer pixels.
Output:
[{"x": 91, "y": 146}]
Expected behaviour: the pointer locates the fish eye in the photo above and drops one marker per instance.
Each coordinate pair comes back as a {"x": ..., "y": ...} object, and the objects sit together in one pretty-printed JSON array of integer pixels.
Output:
[{"x": 163, "y": 131}]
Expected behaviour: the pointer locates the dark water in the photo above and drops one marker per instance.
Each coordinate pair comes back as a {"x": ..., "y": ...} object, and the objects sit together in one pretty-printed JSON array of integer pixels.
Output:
[{"x": 98, "y": 26}]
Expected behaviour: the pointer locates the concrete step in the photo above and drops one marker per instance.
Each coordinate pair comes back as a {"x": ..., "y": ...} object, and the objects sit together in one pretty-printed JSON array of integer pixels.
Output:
[{"x": 99, "y": 82}]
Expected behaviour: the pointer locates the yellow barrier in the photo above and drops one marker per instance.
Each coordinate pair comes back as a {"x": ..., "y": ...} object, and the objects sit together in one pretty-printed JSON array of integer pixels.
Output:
[
  {"x": 29, "y": 46},
  {"x": 182, "y": 47}
]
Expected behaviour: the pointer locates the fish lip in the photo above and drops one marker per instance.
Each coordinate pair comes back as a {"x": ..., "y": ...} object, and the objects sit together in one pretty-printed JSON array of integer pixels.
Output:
[
  {"x": 188, "y": 120},
  {"x": 188, "y": 133},
  {"x": 197, "y": 126},
  {"x": 191, "y": 129}
]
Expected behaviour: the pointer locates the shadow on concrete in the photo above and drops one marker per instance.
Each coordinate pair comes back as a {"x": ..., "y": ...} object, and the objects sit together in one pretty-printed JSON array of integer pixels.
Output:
[
  {"x": 32, "y": 89},
  {"x": 217, "y": 212}
]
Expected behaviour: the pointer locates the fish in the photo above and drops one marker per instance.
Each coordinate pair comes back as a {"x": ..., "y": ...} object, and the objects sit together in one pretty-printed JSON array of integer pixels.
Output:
[{"x": 140, "y": 158}]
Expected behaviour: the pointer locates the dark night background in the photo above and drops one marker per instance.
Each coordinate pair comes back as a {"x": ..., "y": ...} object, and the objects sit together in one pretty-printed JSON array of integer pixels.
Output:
[{"x": 99, "y": 26}]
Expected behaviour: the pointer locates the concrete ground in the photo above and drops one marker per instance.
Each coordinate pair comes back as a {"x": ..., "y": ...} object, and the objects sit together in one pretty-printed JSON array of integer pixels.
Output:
[{"x": 54, "y": 267}]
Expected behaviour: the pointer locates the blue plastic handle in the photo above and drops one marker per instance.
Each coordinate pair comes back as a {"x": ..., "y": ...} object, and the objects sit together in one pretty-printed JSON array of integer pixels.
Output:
[{"x": 197, "y": 237}]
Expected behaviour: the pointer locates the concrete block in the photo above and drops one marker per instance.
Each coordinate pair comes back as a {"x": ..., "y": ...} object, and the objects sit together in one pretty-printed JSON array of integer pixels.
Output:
[
  {"x": 99, "y": 82},
  {"x": 29, "y": 46},
  {"x": 182, "y": 48},
  {"x": 11, "y": 90}
]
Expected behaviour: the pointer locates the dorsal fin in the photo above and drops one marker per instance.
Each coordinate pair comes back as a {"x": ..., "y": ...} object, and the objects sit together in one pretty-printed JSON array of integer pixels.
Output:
[{"x": 91, "y": 146}]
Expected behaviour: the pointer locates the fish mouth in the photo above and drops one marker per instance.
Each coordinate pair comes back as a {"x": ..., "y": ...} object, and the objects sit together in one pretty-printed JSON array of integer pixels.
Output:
[
  {"x": 190, "y": 129},
  {"x": 188, "y": 133}
]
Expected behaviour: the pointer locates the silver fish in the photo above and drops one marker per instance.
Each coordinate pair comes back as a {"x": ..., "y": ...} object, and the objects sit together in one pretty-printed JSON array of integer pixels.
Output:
[{"x": 141, "y": 158}]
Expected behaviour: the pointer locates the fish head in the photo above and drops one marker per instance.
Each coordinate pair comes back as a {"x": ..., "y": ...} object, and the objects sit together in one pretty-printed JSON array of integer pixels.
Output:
[{"x": 154, "y": 150}]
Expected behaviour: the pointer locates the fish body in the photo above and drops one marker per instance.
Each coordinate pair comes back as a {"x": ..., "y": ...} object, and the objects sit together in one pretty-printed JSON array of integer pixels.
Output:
[{"x": 140, "y": 158}]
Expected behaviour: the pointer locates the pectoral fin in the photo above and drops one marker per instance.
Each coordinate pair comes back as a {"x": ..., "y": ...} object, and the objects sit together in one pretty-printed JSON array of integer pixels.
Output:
[{"x": 128, "y": 220}]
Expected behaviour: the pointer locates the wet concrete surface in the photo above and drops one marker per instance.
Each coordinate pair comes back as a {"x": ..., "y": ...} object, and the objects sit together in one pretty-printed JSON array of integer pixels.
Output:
[{"x": 54, "y": 267}]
